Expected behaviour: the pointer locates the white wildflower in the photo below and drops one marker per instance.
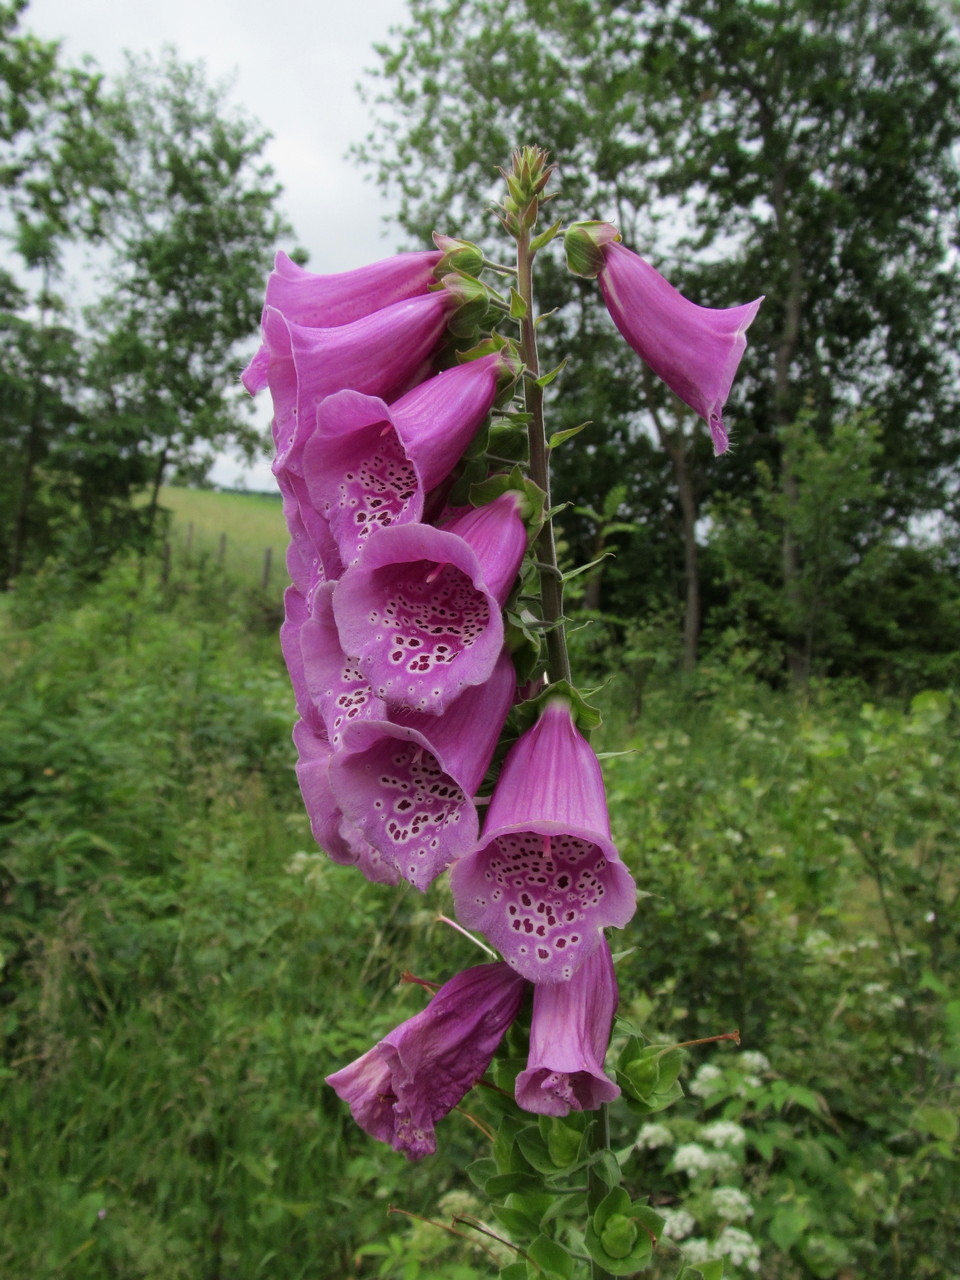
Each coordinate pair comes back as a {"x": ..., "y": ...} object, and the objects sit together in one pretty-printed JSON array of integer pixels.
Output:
[
  {"x": 654, "y": 1135},
  {"x": 731, "y": 1203},
  {"x": 739, "y": 1248},
  {"x": 724, "y": 1133},
  {"x": 677, "y": 1223},
  {"x": 706, "y": 1081},
  {"x": 692, "y": 1159},
  {"x": 698, "y": 1250},
  {"x": 751, "y": 1060}
]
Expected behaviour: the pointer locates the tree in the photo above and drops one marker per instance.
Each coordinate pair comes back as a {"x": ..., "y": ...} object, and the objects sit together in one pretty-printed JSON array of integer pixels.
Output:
[
  {"x": 193, "y": 230},
  {"x": 163, "y": 181},
  {"x": 55, "y": 183},
  {"x": 804, "y": 150}
]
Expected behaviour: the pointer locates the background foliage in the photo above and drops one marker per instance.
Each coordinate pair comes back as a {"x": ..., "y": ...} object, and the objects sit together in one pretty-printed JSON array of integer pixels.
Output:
[{"x": 175, "y": 952}]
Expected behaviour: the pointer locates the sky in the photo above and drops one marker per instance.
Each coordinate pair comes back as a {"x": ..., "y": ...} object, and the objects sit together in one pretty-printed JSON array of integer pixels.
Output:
[{"x": 295, "y": 65}]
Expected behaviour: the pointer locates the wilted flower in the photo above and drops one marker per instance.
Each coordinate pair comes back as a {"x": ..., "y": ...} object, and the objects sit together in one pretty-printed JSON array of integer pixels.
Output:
[
  {"x": 420, "y": 609},
  {"x": 569, "y": 1035},
  {"x": 546, "y": 877},
  {"x": 419, "y": 1072},
  {"x": 694, "y": 350}
]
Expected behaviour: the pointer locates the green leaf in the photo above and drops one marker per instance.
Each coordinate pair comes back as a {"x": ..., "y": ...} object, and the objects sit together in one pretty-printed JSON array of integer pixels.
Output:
[
  {"x": 553, "y": 1258},
  {"x": 514, "y": 1271},
  {"x": 518, "y": 308},
  {"x": 939, "y": 1122},
  {"x": 545, "y": 237},
  {"x": 481, "y": 1171},
  {"x": 546, "y": 378},
  {"x": 558, "y": 437},
  {"x": 502, "y": 1185}
]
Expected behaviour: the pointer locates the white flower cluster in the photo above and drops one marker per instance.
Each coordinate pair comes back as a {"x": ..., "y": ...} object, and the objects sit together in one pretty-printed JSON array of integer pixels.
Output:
[
  {"x": 692, "y": 1159},
  {"x": 731, "y": 1203},
  {"x": 751, "y": 1060},
  {"x": 724, "y": 1133},
  {"x": 707, "y": 1080},
  {"x": 654, "y": 1135},
  {"x": 677, "y": 1223},
  {"x": 739, "y": 1248},
  {"x": 310, "y": 867},
  {"x": 733, "y": 1244}
]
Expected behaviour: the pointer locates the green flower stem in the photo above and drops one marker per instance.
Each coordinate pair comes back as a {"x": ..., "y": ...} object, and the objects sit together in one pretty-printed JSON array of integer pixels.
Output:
[
  {"x": 551, "y": 590},
  {"x": 551, "y": 585}
]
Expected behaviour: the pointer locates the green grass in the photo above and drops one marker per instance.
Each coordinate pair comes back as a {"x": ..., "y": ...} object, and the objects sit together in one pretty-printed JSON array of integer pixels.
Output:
[{"x": 231, "y": 529}]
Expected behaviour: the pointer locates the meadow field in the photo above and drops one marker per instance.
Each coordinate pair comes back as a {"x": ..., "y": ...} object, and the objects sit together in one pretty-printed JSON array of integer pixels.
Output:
[{"x": 181, "y": 966}]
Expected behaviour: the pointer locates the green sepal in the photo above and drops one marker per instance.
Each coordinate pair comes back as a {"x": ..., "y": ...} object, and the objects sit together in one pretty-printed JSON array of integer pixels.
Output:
[
  {"x": 586, "y": 717},
  {"x": 647, "y": 1074},
  {"x": 607, "y": 1168},
  {"x": 563, "y": 1137},
  {"x": 536, "y": 1152},
  {"x": 458, "y": 255},
  {"x": 518, "y": 307},
  {"x": 620, "y": 1235},
  {"x": 546, "y": 378},
  {"x": 516, "y": 1222},
  {"x": 509, "y": 440},
  {"x": 553, "y": 1259},
  {"x": 534, "y": 499},
  {"x": 507, "y": 1154},
  {"x": 583, "y": 243},
  {"x": 481, "y": 1171},
  {"x": 558, "y": 437}
]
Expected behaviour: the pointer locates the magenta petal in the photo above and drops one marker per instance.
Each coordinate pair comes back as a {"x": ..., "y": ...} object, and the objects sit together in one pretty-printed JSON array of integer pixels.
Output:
[
  {"x": 296, "y": 614},
  {"x": 438, "y": 419},
  {"x": 333, "y": 683},
  {"x": 357, "y": 472},
  {"x": 317, "y": 550},
  {"x": 419, "y": 1072},
  {"x": 378, "y": 355},
  {"x": 498, "y": 537},
  {"x": 334, "y": 834},
  {"x": 545, "y": 877},
  {"x": 415, "y": 613},
  {"x": 395, "y": 791},
  {"x": 694, "y": 350},
  {"x": 327, "y": 301},
  {"x": 407, "y": 786},
  {"x": 569, "y": 1035}
]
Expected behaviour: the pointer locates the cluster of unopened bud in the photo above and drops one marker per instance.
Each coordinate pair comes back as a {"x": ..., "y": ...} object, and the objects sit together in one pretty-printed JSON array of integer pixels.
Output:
[{"x": 526, "y": 184}]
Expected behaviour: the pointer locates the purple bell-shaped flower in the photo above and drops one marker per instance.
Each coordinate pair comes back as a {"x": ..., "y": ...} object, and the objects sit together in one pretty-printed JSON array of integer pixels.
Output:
[
  {"x": 420, "y": 609},
  {"x": 695, "y": 350},
  {"x": 569, "y": 1035},
  {"x": 545, "y": 877},
  {"x": 407, "y": 784}
]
